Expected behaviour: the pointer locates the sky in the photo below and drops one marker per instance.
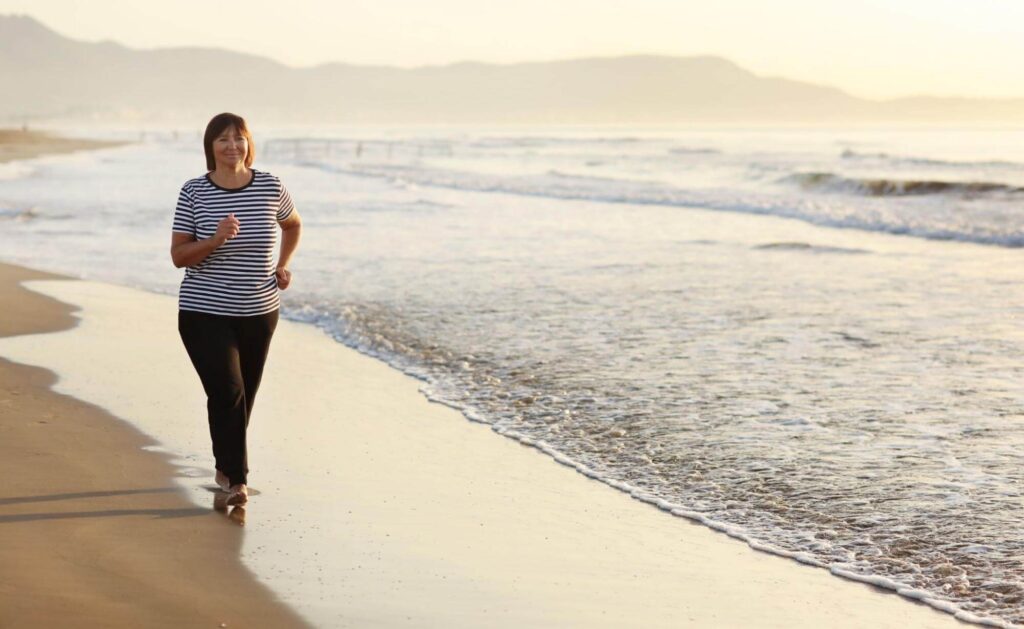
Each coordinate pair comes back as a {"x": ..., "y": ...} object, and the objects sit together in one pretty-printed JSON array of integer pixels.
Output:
[{"x": 870, "y": 48}]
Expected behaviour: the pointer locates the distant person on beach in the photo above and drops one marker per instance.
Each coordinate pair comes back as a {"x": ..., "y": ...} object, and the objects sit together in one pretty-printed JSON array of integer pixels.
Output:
[{"x": 224, "y": 233}]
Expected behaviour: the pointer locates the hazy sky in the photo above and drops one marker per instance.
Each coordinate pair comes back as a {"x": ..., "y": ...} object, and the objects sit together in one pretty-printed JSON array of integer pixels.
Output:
[{"x": 871, "y": 48}]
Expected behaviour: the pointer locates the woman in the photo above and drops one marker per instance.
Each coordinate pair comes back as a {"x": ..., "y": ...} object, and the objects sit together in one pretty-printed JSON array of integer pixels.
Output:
[{"x": 224, "y": 233}]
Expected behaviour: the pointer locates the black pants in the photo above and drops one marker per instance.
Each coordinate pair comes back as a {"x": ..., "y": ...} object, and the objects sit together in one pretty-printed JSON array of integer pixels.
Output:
[{"x": 228, "y": 354}]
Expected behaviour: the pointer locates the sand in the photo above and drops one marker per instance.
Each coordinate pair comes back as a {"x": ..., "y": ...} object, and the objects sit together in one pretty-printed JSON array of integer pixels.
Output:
[
  {"x": 377, "y": 507},
  {"x": 22, "y": 144},
  {"x": 93, "y": 533}
]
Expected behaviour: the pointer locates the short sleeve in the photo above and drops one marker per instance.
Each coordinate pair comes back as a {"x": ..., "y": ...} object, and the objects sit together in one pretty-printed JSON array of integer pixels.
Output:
[
  {"x": 184, "y": 213},
  {"x": 284, "y": 205}
]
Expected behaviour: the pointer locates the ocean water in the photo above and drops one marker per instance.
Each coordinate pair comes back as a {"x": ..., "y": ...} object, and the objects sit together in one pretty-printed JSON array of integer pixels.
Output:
[{"x": 809, "y": 339}]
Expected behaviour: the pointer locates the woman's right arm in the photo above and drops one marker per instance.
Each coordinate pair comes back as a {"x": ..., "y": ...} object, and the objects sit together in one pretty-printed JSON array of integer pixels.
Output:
[{"x": 187, "y": 251}]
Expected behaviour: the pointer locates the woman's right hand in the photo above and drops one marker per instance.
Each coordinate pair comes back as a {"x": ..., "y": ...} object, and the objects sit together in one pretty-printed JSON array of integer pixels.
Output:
[{"x": 227, "y": 229}]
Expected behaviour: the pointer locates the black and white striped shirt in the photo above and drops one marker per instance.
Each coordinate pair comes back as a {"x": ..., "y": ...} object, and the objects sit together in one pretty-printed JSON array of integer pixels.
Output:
[{"x": 237, "y": 278}]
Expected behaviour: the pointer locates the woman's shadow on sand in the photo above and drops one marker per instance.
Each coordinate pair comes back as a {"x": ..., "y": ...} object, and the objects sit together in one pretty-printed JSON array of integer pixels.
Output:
[{"x": 236, "y": 515}]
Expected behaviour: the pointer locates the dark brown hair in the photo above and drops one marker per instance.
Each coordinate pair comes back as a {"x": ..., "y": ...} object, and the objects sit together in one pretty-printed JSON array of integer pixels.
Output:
[{"x": 216, "y": 126}]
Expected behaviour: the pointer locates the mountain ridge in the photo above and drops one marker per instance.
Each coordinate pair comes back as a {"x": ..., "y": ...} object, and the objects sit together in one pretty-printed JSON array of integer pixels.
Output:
[{"x": 47, "y": 76}]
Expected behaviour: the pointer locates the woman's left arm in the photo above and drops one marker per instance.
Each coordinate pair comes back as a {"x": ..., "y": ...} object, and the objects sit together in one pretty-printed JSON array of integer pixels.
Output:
[{"x": 291, "y": 230}]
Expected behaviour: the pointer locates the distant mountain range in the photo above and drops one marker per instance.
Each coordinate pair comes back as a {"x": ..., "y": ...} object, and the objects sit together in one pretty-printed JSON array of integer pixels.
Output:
[{"x": 44, "y": 75}]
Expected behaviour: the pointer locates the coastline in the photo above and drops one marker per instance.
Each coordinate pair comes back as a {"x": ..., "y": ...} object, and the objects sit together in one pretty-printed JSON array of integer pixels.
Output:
[
  {"x": 444, "y": 523},
  {"x": 16, "y": 144},
  {"x": 95, "y": 532}
]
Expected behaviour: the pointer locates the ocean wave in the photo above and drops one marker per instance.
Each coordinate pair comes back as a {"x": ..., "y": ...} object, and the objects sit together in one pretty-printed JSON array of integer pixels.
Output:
[
  {"x": 925, "y": 161},
  {"x": 535, "y": 141},
  {"x": 592, "y": 178},
  {"x": 830, "y": 182},
  {"x": 804, "y": 246},
  {"x": 991, "y": 226},
  {"x": 686, "y": 150}
]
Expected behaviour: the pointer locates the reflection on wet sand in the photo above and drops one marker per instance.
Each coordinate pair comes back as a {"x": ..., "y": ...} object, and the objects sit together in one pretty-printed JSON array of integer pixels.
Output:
[{"x": 235, "y": 515}]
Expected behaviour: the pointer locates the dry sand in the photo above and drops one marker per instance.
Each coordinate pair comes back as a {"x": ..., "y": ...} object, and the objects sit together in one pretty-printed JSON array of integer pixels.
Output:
[
  {"x": 20, "y": 144},
  {"x": 426, "y": 519},
  {"x": 93, "y": 533}
]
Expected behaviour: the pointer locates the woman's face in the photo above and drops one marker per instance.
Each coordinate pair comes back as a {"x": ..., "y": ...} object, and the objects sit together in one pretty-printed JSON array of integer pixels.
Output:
[{"x": 230, "y": 148}]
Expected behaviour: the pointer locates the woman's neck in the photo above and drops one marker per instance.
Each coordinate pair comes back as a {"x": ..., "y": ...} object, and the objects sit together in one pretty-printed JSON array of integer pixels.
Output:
[{"x": 229, "y": 177}]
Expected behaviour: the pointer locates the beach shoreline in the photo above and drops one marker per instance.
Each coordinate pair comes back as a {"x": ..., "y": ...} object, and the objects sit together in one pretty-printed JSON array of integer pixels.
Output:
[
  {"x": 18, "y": 144},
  {"x": 447, "y": 524}
]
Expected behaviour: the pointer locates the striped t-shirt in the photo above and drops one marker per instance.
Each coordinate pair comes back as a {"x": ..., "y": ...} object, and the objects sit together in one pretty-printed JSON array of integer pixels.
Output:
[{"x": 237, "y": 278}]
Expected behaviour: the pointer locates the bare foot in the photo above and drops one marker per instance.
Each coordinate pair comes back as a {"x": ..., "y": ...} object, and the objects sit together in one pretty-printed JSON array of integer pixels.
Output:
[
  {"x": 238, "y": 495},
  {"x": 222, "y": 479}
]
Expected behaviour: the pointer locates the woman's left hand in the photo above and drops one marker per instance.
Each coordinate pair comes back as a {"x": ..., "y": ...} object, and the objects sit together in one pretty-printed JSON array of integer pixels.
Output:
[{"x": 284, "y": 278}]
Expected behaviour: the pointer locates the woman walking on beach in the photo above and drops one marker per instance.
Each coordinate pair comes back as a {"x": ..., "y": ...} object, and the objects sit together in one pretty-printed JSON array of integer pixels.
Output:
[{"x": 224, "y": 233}]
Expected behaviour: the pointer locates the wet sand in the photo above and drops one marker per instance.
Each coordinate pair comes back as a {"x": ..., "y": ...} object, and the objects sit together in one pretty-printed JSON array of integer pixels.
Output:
[
  {"x": 377, "y": 507},
  {"x": 21, "y": 144},
  {"x": 94, "y": 532}
]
